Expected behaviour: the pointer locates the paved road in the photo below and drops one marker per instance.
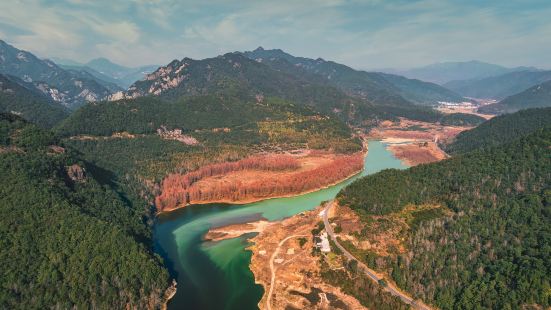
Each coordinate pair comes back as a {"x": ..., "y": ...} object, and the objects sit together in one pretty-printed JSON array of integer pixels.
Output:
[
  {"x": 273, "y": 269},
  {"x": 369, "y": 272}
]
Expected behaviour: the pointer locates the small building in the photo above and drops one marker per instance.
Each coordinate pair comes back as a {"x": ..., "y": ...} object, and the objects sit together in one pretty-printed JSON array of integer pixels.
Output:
[{"x": 324, "y": 243}]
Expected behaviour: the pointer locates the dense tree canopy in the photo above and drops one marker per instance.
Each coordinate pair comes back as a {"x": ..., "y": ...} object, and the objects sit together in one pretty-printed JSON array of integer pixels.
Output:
[
  {"x": 500, "y": 130},
  {"x": 67, "y": 240}
]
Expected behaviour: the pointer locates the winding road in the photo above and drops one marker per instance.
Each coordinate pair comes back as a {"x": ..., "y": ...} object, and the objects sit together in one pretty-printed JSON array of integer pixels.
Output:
[
  {"x": 369, "y": 272},
  {"x": 273, "y": 269}
]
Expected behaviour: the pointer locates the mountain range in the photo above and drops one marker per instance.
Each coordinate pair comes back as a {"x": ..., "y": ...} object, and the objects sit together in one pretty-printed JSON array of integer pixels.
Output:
[
  {"x": 103, "y": 68},
  {"x": 501, "y": 86},
  {"x": 444, "y": 72},
  {"x": 234, "y": 72},
  {"x": 70, "y": 88},
  {"x": 373, "y": 86}
]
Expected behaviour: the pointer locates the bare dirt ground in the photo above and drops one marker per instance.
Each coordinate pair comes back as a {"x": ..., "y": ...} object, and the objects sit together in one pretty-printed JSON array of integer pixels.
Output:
[
  {"x": 283, "y": 264},
  {"x": 415, "y": 142},
  {"x": 413, "y": 154}
]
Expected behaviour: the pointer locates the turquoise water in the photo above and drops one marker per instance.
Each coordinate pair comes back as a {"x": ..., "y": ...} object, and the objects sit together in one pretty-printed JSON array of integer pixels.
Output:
[{"x": 216, "y": 275}]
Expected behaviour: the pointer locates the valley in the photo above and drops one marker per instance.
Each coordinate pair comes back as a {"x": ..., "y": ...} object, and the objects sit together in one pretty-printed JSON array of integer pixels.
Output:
[
  {"x": 181, "y": 234},
  {"x": 257, "y": 179}
]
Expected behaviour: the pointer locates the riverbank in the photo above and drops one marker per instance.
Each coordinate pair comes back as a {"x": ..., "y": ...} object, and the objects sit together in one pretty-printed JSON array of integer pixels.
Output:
[{"x": 415, "y": 142}]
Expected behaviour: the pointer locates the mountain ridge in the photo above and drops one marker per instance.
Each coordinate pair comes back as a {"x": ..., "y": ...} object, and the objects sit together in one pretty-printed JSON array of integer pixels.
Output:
[
  {"x": 501, "y": 86},
  {"x": 444, "y": 72},
  {"x": 69, "y": 88},
  {"x": 109, "y": 71},
  {"x": 368, "y": 85},
  {"x": 538, "y": 96}
]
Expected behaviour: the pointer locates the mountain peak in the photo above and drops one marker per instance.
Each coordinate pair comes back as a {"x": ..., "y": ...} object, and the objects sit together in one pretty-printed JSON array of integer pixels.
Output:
[{"x": 259, "y": 49}]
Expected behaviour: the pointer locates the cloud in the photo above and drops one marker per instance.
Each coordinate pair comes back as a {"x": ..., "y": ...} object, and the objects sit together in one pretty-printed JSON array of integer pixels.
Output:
[
  {"x": 123, "y": 31},
  {"x": 361, "y": 33}
]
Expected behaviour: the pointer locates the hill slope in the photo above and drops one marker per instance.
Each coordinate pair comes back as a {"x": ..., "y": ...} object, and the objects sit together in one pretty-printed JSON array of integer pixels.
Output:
[
  {"x": 69, "y": 88},
  {"x": 479, "y": 227},
  {"x": 534, "y": 97},
  {"x": 23, "y": 99},
  {"x": 68, "y": 240},
  {"x": 501, "y": 130},
  {"x": 501, "y": 86}
]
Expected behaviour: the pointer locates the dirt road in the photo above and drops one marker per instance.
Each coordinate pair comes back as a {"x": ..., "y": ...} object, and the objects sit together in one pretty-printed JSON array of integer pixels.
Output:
[{"x": 273, "y": 269}]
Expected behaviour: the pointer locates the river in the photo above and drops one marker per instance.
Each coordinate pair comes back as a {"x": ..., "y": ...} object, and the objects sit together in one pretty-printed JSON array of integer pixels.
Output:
[{"x": 216, "y": 275}]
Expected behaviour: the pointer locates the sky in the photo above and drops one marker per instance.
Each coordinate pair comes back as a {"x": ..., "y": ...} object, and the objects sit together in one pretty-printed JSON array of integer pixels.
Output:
[{"x": 364, "y": 34}]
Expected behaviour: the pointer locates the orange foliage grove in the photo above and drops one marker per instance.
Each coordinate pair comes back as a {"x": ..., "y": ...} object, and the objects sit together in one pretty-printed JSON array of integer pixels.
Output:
[{"x": 178, "y": 189}]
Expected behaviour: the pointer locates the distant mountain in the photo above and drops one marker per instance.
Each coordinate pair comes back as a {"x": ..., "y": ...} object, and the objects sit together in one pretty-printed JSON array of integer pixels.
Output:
[
  {"x": 421, "y": 92},
  {"x": 444, "y": 72},
  {"x": 374, "y": 86},
  {"x": 23, "y": 99},
  {"x": 106, "y": 70},
  {"x": 104, "y": 79},
  {"x": 535, "y": 97},
  {"x": 499, "y": 87},
  {"x": 235, "y": 73},
  {"x": 123, "y": 76},
  {"x": 70, "y": 88}
]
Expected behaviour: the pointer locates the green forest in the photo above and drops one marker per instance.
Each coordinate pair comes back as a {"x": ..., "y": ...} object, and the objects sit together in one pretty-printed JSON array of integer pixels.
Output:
[
  {"x": 69, "y": 240},
  {"x": 494, "y": 248},
  {"x": 501, "y": 130}
]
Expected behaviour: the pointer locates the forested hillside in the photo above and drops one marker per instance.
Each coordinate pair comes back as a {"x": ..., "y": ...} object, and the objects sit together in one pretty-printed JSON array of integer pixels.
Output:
[
  {"x": 535, "y": 97},
  {"x": 490, "y": 245},
  {"x": 214, "y": 120},
  {"x": 20, "y": 98},
  {"x": 69, "y": 239},
  {"x": 461, "y": 119},
  {"x": 501, "y": 130}
]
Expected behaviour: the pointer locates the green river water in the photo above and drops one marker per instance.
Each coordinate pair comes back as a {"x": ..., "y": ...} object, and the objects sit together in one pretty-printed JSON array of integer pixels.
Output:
[{"x": 216, "y": 275}]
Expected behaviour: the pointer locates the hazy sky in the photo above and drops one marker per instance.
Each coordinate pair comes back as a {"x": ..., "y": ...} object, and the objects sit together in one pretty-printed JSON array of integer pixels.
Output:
[{"x": 362, "y": 34}]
